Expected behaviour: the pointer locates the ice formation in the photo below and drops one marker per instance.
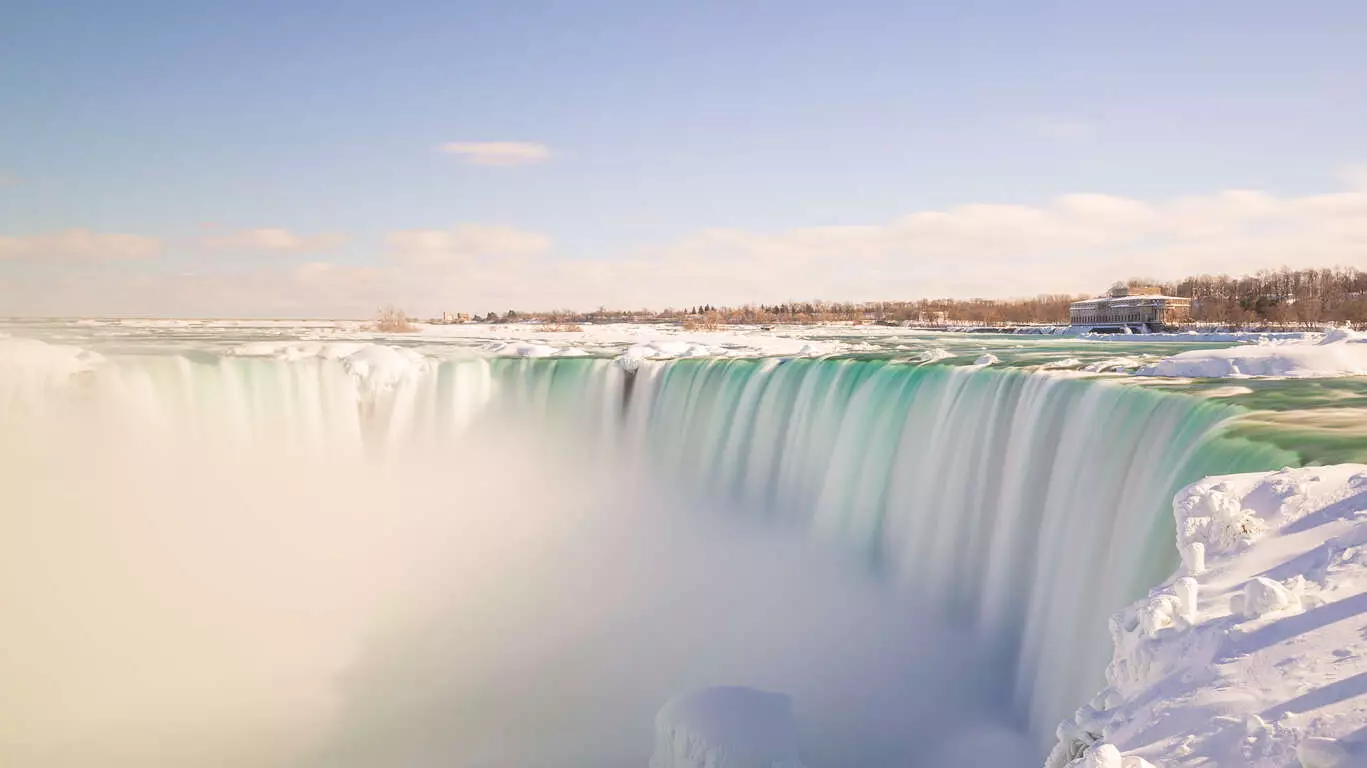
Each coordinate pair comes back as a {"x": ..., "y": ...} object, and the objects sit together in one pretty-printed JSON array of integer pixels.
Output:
[
  {"x": 726, "y": 727},
  {"x": 1338, "y": 353},
  {"x": 1252, "y": 653}
]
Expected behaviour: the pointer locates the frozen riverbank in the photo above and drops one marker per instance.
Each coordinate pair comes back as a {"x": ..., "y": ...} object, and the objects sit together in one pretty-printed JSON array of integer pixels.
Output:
[
  {"x": 1252, "y": 654},
  {"x": 1336, "y": 353}
]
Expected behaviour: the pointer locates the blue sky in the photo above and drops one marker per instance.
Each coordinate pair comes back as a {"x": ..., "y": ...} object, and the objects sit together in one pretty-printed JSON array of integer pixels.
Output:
[{"x": 664, "y": 124}]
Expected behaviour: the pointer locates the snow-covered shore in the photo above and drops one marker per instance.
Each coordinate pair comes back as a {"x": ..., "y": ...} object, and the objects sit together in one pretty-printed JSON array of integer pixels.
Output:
[
  {"x": 1253, "y": 654},
  {"x": 1336, "y": 353}
]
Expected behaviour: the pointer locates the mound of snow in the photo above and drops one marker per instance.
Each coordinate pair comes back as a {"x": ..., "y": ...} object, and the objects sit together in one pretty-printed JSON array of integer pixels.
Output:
[
  {"x": 1112, "y": 365},
  {"x": 376, "y": 367},
  {"x": 1252, "y": 654},
  {"x": 29, "y": 367},
  {"x": 726, "y": 727},
  {"x": 935, "y": 354},
  {"x": 631, "y": 358},
  {"x": 1338, "y": 353}
]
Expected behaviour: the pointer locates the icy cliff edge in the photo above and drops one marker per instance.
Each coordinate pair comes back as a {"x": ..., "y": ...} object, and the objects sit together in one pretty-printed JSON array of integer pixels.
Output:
[{"x": 1253, "y": 653}]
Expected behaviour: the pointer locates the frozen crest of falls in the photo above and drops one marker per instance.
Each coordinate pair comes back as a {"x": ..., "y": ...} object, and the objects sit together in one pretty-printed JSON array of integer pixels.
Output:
[{"x": 1029, "y": 507}]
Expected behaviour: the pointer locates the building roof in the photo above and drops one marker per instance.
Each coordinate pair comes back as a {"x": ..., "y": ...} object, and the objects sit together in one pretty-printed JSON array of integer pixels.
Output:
[{"x": 1126, "y": 301}]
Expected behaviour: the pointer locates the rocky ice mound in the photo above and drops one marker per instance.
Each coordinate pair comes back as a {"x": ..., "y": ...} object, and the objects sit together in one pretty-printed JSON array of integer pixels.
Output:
[
  {"x": 1253, "y": 653},
  {"x": 29, "y": 367},
  {"x": 726, "y": 727},
  {"x": 1338, "y": 353},
  {"x": 376, "y": 368}
]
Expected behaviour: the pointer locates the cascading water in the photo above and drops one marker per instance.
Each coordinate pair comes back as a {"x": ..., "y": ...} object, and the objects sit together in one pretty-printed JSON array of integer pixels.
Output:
[
  {"x": 1031, "y": 506},
  {"x": 1028, "y": 507}
]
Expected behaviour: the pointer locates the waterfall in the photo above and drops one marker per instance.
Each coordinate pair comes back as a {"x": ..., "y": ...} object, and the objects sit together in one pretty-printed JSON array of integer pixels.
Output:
[{"x": 1030, "y": 507}]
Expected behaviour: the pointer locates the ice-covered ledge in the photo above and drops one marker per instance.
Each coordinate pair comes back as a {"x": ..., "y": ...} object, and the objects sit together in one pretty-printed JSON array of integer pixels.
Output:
[
  {"x": 726, "y": 727},
  {"x": 1255, "y": 652}
]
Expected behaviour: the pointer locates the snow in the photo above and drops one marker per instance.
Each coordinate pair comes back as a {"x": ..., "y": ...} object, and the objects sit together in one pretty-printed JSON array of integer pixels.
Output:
[
  {"x": 376, "y": 367},
  {"x": 1229, "y": 337},
  {"x": 1337, "y": 353},
  {"x": 1112, "y": 365},
  {"x": 522, "y": 349},
  {"x": 1252, "y": 654},
  {"x": 660, "y": 342},
  {"x": 1231, "y": 391},
  {"x": 29, "y": 367},
  {"x": 934, "y": 355},
  {"x": 726, "y": 727}
]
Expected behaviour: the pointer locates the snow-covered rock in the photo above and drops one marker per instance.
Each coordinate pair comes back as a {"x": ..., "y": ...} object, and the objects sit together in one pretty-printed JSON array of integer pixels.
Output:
[
  {"x": 376, "y": 368},
  {"x": 726, "y": 727},
  {"x": 1262, "y": 596},
  {"x": 1338, "y": 353},
  {"x": 934, "y": 355},
  {"x": 29, "y": 367},
  {"x": 1253, "y": 653}
]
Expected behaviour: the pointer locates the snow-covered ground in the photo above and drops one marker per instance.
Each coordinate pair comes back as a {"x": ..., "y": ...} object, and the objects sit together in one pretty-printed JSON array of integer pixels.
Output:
[
  {"x": 1255, "y": 652},
  {"x": 1336, "y": 353},
  {"x": 1174, "y": 355}
]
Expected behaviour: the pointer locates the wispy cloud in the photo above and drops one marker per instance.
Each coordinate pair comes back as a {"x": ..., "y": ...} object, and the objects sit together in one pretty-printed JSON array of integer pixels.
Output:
[
  {"x": 1060, "y": 128},
  {"x": 274, "y": 239},
  {"x": 1069, "y": 244},
  {"x": 78, "y": 245},
  {"x": 463, "y": 243},
  {"x": 501, "y": 154},
  {"x": 1355, "y": 176}
]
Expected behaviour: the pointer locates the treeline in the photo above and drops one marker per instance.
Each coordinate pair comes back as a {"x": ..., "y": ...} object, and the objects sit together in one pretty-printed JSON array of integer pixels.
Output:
[
  {"x": 1281, "y": 297},
  {"x": 1051, "y": 308}
]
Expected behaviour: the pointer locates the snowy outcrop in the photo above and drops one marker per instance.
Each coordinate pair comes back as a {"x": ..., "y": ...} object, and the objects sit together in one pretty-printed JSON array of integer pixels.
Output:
[
  {"x": 29, "y": 368},
  {"x": 726, "y": 727},
  {"x": 1252, "y": 654},
  {"x": 934, "y": 355},
  {"x": 1337, "y": 353},
  {"x": 376, "y": 368}
]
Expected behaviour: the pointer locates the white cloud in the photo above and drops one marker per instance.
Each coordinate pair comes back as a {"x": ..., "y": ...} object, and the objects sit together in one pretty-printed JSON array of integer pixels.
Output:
[
  {"x": 78, "y": 245},
  {"x": 1060, "y": 128},
  {"x": 462, "y": 244},
  {"x": 1355, "y": 177},
  {"x": 1071, "y": 244},
  {"x": 274, "y": 239},
  {"x": 498, "y": 153}
]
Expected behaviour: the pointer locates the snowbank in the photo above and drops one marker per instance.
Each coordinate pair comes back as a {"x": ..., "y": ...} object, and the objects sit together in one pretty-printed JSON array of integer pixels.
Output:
[
  {"x": 1337, "y": 353},
  {"x": 29, "y": 367},
  {"x": 934, "y": 355},
  {"x": 660, "y": 341},
  {"x": 376, "y": 367},
  {"x": 1252, "y": 654},
  {"x": 726, "y": 727}
]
